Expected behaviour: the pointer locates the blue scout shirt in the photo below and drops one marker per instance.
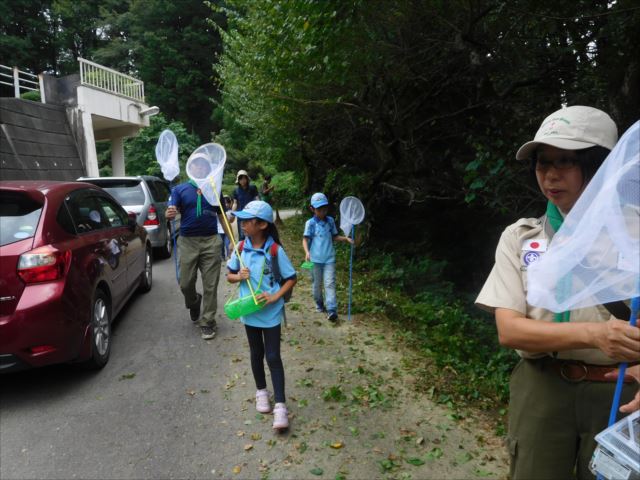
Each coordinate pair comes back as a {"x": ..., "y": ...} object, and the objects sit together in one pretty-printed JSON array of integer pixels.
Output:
[
  {"x": 185, "y": 198},
  {"x": 320, "y": 235},
  {"x": 259, "y": 261}
]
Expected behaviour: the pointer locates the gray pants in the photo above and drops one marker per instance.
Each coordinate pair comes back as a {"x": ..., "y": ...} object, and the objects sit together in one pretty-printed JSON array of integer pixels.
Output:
[{"x": 200, "y": 253}]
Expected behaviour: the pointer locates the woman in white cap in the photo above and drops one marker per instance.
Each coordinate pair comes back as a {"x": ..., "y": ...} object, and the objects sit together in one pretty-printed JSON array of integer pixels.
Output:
[
  {"x": 242, "y": 195},
  {"x": 561, "y": 390}
]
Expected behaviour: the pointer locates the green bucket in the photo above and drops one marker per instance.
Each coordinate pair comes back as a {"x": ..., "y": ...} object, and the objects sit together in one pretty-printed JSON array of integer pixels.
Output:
[
  {"x": 241, "y": 307},
  {"x": 307, "y": 265}
]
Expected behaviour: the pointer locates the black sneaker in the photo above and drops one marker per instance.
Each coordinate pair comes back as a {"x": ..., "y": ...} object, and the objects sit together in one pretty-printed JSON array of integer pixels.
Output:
[
  {"x": 332, "y": 317},
  {"x": 194, "y": 311},
  {"x": 208, "y": 332}
]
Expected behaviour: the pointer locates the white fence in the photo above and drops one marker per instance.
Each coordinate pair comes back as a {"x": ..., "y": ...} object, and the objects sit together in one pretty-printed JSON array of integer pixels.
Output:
[
  {"x": 21, "y": 81},
  {"x": 109, "y": 80}
]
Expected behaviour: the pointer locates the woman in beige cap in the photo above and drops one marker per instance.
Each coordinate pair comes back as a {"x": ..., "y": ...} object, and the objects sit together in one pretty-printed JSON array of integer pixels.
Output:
[
  {"x": 242, "y": 195},
  {"x": 561, "y": 390}
]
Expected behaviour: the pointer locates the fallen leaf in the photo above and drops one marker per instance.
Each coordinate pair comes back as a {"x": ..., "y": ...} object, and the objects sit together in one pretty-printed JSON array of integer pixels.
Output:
[
  {"x": 240, "y": 433},
  {"x": 337, "y": 445},
  {"x": 127, "y": 376},
  {"x": 237, "y": 469},
  {"x": 256, "y": 436},
  {"x": 316, "y": 471},
  {"x": 415, "y": 461},
  {"x": 191, "y": 392},
  {"x": 419, "y": 440},
  {"x": 248, "y": 447}
]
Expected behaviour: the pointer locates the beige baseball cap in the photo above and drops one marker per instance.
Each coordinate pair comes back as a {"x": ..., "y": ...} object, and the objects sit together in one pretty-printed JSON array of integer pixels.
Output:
[
  {"x": 240, "y": 174},
  {"x": 573, "y": 128}
]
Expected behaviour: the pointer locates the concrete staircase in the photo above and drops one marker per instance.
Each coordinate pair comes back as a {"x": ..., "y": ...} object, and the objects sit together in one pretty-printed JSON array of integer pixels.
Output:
[{"x": 36, "y": 142}]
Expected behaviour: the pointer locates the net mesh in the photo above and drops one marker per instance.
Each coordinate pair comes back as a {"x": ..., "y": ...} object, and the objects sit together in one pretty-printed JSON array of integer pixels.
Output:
[
  {"x": 167, "y": 154},
  {"x": 594, "y": 257},
  {"x": 210, "y": 178},
  {"x": 351, "y": 213}
]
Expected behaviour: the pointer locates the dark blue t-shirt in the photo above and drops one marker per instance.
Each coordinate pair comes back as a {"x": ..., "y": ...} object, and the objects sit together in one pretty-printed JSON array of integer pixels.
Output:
[
  {"x": 243, "y": 196},
  {"x": 185, "y": 198}
]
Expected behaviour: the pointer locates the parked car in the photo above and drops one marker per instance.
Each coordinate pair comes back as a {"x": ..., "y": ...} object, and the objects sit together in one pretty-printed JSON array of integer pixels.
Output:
[
  {"x": 147, "y": 196},
  {"x": 70, "y": 258}
]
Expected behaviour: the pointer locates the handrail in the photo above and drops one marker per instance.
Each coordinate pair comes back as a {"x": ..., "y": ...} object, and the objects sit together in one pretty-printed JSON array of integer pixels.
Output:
[
  {"x": 19, "y": 82},
  {"x": 105, "y": 78}
]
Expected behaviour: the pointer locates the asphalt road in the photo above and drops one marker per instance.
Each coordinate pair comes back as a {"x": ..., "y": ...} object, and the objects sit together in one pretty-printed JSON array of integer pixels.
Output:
[{"x": 153, "y": 412}]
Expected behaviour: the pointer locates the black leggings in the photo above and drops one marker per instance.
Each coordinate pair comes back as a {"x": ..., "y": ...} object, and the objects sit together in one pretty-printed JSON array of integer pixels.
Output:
[{"x": 261, "y": 341}]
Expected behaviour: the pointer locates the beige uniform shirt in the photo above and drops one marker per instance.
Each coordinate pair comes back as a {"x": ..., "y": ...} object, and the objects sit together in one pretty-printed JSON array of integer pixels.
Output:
[{"x": 506, "y": 286}]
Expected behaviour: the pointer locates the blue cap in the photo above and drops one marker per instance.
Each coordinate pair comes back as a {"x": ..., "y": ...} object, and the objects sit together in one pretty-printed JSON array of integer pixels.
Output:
[
  {"x": 256, "y": 209},
  {"x": 319, "y": 200}
]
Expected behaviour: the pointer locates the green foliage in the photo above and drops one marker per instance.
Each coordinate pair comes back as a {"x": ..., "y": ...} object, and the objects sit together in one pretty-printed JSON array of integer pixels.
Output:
[
  {"x": 34, "y": 96},
  {"x": 287, "y": 190},
  {"x": 140, "y": 151}
]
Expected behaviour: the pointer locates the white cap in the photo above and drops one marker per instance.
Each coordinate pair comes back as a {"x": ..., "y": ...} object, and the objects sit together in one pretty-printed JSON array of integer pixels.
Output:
[
  {"x": 573, "y": 128},
  {"x": 240, "y": 174}
]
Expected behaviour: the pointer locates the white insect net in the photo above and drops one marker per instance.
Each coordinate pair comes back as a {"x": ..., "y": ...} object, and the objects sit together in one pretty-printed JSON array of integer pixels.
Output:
[
  {"x": 351, "y": 213},
  {"x": 594, "y": 257},
  {"x": 167, "y": 154},
  {"x": 206, "y": 167}
]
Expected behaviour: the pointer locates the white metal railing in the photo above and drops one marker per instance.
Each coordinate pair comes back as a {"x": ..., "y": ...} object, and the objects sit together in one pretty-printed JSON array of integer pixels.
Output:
[
  {"x": 21, "y": 81},
  {"x": 104, "y": 78}
]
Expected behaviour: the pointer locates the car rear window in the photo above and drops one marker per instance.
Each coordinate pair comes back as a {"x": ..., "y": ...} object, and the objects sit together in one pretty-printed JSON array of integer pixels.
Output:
[
  {"x": 127, "y": 192},
  {"x": 19, "y": 216}
]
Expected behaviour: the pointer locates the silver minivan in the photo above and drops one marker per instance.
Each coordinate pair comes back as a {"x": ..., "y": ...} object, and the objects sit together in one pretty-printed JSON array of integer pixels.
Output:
[{"x": 147, "y": 197}]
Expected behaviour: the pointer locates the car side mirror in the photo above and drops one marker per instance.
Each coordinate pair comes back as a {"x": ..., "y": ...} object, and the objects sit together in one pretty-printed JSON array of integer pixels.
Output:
[{"x": 133, "y": 220}]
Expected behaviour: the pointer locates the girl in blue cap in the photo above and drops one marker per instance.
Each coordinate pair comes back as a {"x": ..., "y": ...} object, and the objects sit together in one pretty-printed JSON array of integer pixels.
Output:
[
  {"x": 319, "y": 234},
  {"x": 263, "y": 326}
]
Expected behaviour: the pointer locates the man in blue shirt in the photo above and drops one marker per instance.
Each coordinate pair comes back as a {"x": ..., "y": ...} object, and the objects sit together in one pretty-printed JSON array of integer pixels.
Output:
[
  {"x": 199, "y": 246},
  {"x": 243, "y": 194},
  {"x": 319, "y": 234}
]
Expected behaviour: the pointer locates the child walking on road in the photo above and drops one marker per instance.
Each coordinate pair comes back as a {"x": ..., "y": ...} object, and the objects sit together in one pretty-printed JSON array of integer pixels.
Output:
[
  {"x": 319, "y": 234},
  {"x": 259, "y": 250}
]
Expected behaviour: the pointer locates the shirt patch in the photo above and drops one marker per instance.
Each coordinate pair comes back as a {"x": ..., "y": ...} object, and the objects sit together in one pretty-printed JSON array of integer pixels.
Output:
[
  {"x": 530, "y": 257},
  {"x": 535, "y": 245}
]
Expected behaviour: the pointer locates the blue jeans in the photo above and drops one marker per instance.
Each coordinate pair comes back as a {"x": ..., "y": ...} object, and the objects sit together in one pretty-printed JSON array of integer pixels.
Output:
[{"x": 324, "y": 274}]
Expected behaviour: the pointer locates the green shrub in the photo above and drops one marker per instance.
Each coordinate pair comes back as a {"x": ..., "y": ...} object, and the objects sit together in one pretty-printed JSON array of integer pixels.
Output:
[{"x": 34, "y": 96}]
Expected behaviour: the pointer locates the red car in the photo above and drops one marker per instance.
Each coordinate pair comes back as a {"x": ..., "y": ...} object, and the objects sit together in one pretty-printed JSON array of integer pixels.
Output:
[{"x": 70, "y": 258}]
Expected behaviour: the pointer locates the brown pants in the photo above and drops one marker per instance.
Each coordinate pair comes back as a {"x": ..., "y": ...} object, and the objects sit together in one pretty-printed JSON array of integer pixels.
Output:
[{"x": 553, "y": 422}]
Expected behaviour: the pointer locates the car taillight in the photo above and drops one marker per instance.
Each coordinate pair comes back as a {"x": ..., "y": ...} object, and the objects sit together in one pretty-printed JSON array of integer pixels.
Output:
[
  {"x": 43, "y": 264},
  {"x": 152, "y": 217}
]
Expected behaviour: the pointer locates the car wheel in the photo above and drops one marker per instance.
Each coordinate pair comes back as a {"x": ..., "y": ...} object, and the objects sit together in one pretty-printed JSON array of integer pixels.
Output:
[
  {"x": 167, "y": 249},
  {"x": 146, "y": 280},
  {"x": 100, "y": 324}
]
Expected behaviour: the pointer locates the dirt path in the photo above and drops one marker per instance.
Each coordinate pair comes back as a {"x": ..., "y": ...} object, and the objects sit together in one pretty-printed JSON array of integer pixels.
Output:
[{"x": 354, "y": 413}]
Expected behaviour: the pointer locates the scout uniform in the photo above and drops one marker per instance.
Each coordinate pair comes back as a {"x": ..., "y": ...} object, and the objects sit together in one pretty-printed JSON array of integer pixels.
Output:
[
  {"x": 259, "y": 263},
  {"x": 558, "y": 401},
  {"x": 320, "y": 234}
]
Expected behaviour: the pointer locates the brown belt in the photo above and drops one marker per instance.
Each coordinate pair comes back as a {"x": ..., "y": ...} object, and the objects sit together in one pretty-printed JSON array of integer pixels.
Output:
[{"x": 575, "y": 372}]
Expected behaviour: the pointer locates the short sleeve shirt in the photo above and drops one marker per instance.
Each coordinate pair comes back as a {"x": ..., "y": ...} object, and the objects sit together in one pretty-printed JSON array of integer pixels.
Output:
[
  {"x": 185, "y": 198},
  {"x": 320, "y": 235},
  {"x": 244, "y": 196},
  {"x": 506, "y": 286},
  {"x": 259, "y": 261}
]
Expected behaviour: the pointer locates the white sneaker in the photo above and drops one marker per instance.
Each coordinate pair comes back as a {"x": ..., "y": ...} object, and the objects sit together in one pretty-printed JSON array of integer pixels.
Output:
[
  {"x": 262, "y": 401},
  {"x": 280, "y": 417}
]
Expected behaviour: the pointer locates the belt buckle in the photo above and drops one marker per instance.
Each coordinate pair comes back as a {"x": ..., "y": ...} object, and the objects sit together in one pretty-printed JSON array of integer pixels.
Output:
[{"x": 574, "y": 380}]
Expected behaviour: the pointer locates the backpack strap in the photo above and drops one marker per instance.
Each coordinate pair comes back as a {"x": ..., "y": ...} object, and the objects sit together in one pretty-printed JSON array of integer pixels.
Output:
[
  {"x": 240, "y": 246},
  {"x": 275, "y": 268}
]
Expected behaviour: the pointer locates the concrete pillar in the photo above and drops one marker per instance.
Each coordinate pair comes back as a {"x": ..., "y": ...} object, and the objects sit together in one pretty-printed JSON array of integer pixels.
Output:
[
  {"x": 117, "y": 157},
  {"x": 91, "y": 157}
]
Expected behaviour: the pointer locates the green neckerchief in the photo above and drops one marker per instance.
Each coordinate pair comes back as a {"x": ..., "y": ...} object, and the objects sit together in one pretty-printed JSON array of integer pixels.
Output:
[
  {"x": 555, "y": 220},
  {"x": 199, "y": 202}
]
